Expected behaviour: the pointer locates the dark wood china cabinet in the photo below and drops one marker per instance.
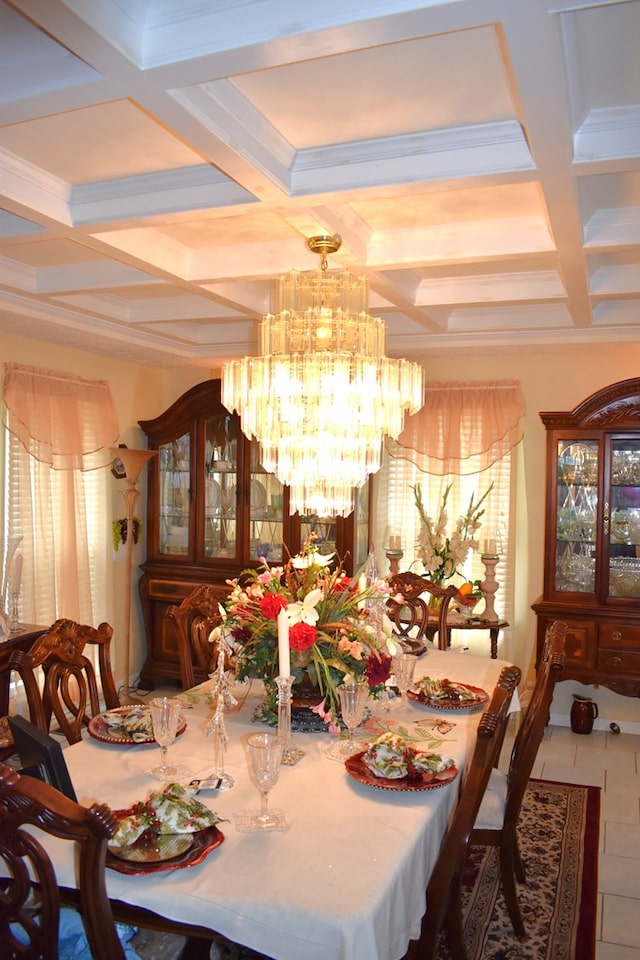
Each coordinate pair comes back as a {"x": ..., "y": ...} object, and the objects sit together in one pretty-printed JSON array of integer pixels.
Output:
[
  {"x": 592, "y": 548},
  {"x": 212, "y": 511}
]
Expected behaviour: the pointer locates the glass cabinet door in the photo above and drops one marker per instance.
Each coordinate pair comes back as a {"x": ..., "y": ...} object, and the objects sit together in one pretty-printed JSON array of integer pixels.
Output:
[
  {"x": 174, "y": 464},
  {"x": 576, "y": 514},
  {"x": 220, "y": 486},
  {"x": 266, "y": 512},
  {"x": 623, "y": 513}
]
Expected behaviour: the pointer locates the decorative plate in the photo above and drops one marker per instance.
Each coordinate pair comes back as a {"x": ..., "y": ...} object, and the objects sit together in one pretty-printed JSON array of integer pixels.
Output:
[
  {"x": 357, "y": 768},
  {"x": 258, "y": 493},
  {"x": 146, "y": 858},
  {"x": 100, "y": 730},
  {"x": 424, "y": 701}
]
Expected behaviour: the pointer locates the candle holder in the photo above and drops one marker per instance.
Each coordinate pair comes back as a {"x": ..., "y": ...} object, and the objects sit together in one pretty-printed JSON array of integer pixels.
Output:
[
  {"x": 216, "y": 726},
  {"x": 290, "y": 754},
  {"x": 394, "y": 557},
  {"x": 489, "y": 585},
  {"x": 14, "y": 623}
]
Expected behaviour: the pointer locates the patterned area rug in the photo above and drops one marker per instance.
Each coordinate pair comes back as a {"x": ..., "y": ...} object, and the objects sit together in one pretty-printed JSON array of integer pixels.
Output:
[{"x": 558, "y": 834}]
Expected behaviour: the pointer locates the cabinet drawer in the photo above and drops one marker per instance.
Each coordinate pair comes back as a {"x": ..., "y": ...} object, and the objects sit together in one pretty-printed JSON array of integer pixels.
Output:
[
  {"x": 622, "y": 662},
  {"x": 619, "y": 636}
]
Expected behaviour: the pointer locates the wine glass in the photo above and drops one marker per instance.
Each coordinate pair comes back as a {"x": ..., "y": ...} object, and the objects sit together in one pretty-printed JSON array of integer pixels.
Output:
[
  {"x": 265, "y": 757},
  {"x": 404, "y": 666},
  {"x": 353, "y": 697},
  {"x": 166, "y": 715}
]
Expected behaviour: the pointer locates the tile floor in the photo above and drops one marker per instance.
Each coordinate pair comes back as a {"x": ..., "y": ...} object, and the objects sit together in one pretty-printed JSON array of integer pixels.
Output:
[{"x": 611, "y": 762}]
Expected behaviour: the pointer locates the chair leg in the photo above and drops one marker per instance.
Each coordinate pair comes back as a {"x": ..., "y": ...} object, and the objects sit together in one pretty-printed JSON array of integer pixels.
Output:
[
  {"x": 454, "y": 926},
  {"x": 518, "y": 862},
  {"x": 508, "y": 875}
]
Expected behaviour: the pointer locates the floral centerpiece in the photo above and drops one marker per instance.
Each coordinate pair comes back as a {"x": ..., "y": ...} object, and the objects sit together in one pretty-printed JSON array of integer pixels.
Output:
[
  {"x": 331, "y": 635},
  {"x": 443, "y": 554}
]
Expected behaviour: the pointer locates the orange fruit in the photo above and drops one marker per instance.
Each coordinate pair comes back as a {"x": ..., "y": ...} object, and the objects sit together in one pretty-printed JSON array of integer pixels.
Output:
[{"x": 466, "y": 589}]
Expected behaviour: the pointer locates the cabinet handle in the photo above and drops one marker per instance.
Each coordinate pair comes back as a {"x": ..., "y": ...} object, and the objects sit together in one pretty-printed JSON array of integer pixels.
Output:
[
  {"x": 606, "y": 517},
  {"x": 615, "y": 661},
  {"x": 616, "y": 636}
]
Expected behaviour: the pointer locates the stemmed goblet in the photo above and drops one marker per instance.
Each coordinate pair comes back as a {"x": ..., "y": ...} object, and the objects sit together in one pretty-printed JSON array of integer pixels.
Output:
[
  {"x": 404, "y": 666},
  {"x": 353, "y": 698},
  {"x": 265, "y": 757},
  {"x": 166, "y": 715}
]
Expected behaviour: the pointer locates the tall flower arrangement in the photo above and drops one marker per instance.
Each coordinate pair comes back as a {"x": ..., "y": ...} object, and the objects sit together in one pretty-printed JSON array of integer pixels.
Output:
[
  {"x": 443, "y": 554},
  {"x": 330, "y": 634}
]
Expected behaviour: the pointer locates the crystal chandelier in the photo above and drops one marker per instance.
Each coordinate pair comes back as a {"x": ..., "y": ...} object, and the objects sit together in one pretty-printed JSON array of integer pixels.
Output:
[{"x": 322, "y": 394}]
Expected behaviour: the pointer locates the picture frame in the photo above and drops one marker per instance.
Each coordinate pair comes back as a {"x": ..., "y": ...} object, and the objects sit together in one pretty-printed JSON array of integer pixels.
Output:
[{"x": 41, "y": 755}]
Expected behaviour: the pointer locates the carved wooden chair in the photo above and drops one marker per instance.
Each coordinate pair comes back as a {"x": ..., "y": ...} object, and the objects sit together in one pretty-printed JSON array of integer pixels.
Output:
[
  {"x": 26, "y": 802},
  {"x": 194, "y": 620},
  {"x": 70, "y": 692},
  {"x": 444, "y": 902},
  {"x": 413, "y": 612},
  {"x": 497, "y": 820}
]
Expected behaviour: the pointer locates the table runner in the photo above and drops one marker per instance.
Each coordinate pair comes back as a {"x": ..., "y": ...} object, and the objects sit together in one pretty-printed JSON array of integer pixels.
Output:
[{"x": 346, "y": 881}]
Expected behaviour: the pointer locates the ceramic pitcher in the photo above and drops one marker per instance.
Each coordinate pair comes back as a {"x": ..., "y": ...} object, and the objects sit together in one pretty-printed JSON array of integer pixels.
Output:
[{"x": 583, "y": 712}]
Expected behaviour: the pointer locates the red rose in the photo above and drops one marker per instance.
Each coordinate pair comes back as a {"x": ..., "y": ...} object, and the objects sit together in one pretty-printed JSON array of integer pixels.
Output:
[
  {"x": 302, "y": 636},
  {"x": 271, "y": 605},
  {"x": 377, "y": 669}
]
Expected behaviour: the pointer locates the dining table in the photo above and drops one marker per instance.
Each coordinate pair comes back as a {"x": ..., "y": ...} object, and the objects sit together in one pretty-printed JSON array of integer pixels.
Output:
[{"x": 346, "y": 879}]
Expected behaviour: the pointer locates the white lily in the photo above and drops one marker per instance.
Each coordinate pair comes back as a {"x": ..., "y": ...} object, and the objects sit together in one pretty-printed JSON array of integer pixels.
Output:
[
  {"x": 304, "y": 611},
  {"x": 313, "y": 559}
]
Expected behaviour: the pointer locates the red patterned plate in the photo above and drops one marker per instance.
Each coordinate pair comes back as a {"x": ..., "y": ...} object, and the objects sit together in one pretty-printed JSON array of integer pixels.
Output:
[
  {"x": 357, "y": 768},
  {"x": 100, "y": 730},
  {"x": 424, "y": 701},
  {"x": 203, "y": 842}
]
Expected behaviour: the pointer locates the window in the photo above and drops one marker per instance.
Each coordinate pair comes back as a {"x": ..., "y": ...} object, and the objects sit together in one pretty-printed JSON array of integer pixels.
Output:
[
  {"x": 395, "y": 515},
  {"x": 57, "y": 496},
  {"x": 464, "y": 435}
]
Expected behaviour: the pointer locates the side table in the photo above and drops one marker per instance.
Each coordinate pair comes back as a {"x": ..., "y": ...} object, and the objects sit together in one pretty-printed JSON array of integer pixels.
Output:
[{"x": 455, "y": 622}]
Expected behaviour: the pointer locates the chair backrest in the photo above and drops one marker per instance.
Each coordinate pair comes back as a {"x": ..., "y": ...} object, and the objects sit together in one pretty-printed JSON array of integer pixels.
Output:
[
  {"x": 70, "y": 691},
  {"x": 194, "y": 620},
  {"x": 25, "y": 803},
  {"x": 413, "y": 611},
  {"x": 444, "y": 908},
  {"x": 535, "y": 717},
  {"x": 41, "y": 755}
]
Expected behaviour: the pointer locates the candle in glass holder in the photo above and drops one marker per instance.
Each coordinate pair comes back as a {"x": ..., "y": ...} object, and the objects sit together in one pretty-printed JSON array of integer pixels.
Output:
[{"x": 395, "y": 542}]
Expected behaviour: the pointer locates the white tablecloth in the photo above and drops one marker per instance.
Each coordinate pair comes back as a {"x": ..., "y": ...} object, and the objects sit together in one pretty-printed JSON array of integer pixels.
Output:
[{"x": 346, "y": 881}]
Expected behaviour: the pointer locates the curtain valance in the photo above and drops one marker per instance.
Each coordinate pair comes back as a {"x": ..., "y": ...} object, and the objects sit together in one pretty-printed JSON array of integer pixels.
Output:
[
  {"x": 61, "y": 420},
  {"x": 462, "y": 428}
]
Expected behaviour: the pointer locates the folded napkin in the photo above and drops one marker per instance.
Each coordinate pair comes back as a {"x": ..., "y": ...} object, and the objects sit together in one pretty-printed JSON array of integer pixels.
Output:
[
  {"x": 171, "y": 810},
  {"x": 445, "y": 690},
  {"x": 134, "y": 722},
  {"x": 390, "y": 756}
]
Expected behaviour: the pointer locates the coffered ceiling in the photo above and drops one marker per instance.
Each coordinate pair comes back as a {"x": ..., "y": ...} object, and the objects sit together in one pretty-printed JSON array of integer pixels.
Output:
[{"x": 163, "y": 161}]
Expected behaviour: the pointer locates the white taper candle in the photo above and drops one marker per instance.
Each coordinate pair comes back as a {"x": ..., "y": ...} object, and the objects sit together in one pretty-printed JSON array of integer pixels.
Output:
[{"x": 284, "y": 666}]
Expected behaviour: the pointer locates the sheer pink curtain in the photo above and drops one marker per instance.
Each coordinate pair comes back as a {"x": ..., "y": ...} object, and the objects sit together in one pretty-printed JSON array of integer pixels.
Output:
[
  {"x": 64, "y": 421},
  {"x": 60, "y": 430},
  {"x": 462, "y": 428}
]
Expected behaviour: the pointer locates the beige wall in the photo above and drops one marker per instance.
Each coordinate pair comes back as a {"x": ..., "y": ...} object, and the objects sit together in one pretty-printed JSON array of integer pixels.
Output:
[{"x": 552, "y": 378}]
